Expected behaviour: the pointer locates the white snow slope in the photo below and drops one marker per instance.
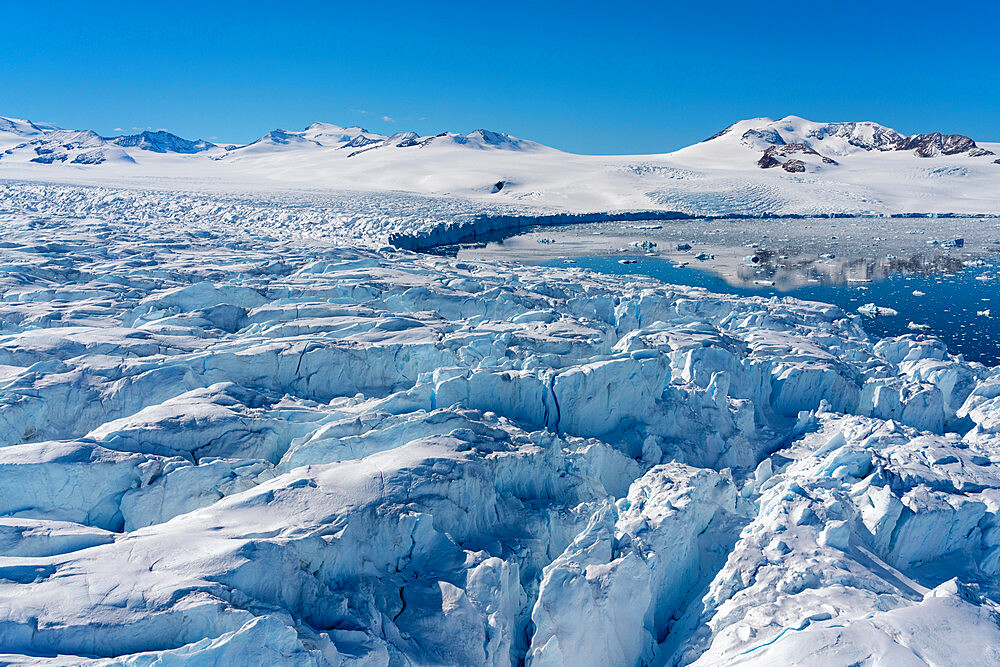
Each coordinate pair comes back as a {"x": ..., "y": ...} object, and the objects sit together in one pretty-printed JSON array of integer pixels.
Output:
[
  {"x": 235, "y": 429},
  {"x": 869, "y": 169}
]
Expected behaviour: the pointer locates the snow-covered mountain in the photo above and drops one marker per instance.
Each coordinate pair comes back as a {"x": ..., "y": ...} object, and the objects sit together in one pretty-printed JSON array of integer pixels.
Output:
[
  {"x": 824, "y": 141},
  {"x": 23, "y": 128},
  {"x": 67, "y": 146},
  {"x": 756, "y": 166},
  {"x": 24, "y": 141},
  {"x": 14, "y": 131},
  {"x": 161, "y": 141},
  {"x": 357, "y": 140}
]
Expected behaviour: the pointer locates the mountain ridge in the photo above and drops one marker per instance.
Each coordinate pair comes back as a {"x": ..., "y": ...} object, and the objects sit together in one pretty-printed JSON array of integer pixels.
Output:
[
  {"x": 754, "y": 167},
  {"x": 758, "y": 133}
]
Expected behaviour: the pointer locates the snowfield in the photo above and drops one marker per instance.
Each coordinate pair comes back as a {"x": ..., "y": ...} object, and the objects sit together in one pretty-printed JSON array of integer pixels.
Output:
[
  {"x": 241, "y": 425},
  {"x": 228, "y": 445},
  {"x": 755, "y": 167}
]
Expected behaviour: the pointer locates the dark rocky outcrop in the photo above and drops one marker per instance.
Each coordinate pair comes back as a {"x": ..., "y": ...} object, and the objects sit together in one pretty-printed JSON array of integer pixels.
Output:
[
  {"x": 866, "y": 135},
  {"x": 772, "y": 157},
  {"x": 49, "y": 158},
  {"x": 768, "y": 160},
  {"x": 794, "y": 166},
  {"x": 929, "y": 145},
  {"x": 90, "y": 157}
]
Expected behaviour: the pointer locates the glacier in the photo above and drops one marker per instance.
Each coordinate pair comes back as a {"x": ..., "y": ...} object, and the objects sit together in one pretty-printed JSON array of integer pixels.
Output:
[{"x": 251, "y": 432}]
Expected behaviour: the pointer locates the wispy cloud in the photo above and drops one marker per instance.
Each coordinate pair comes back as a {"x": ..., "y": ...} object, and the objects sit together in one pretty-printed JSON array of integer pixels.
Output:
[
  {"x": 118, "y": 129},
  {"x": 388, "y": 119}
]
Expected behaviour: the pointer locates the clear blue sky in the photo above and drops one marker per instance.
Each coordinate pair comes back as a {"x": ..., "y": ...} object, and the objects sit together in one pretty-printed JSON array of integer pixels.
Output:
[{"x": 595, "y": 77}]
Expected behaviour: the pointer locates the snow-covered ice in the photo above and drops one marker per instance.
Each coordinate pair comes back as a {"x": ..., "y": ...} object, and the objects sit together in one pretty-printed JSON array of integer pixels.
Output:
[{"x": 229, "y": 443}]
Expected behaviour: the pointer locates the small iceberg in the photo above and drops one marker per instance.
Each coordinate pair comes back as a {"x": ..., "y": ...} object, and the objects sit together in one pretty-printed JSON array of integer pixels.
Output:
[
  {"x": 626, "y": 261},
  {"x": 953, "y": 243},
  {"x": 871, "y": 310},
  {"x": 913, "y": 326}
]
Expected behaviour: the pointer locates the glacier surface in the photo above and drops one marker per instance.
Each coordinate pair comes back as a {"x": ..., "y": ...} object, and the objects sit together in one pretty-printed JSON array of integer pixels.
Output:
[{"x": 229, "y": 446}]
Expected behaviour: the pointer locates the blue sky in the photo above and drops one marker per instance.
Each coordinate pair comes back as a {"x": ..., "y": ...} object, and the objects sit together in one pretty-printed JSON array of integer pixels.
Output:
[{"x": 591, "y": 77}]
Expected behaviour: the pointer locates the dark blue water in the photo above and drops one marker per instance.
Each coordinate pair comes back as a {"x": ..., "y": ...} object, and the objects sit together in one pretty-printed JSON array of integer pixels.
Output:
[{"x": 949, "y": 306}]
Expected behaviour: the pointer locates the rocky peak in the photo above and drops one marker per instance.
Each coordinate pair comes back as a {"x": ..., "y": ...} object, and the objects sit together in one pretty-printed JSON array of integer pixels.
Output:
[
  {"x": 161, "y": 141},
  {"x": 931, "y": 145},
  {"x": 778, "y": 156}
]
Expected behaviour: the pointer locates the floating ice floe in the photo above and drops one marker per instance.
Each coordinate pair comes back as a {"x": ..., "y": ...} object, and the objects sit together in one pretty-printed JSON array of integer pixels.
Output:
[
  {"x": 871, "y": 310},
  {"x": 951, "y": 243}
]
